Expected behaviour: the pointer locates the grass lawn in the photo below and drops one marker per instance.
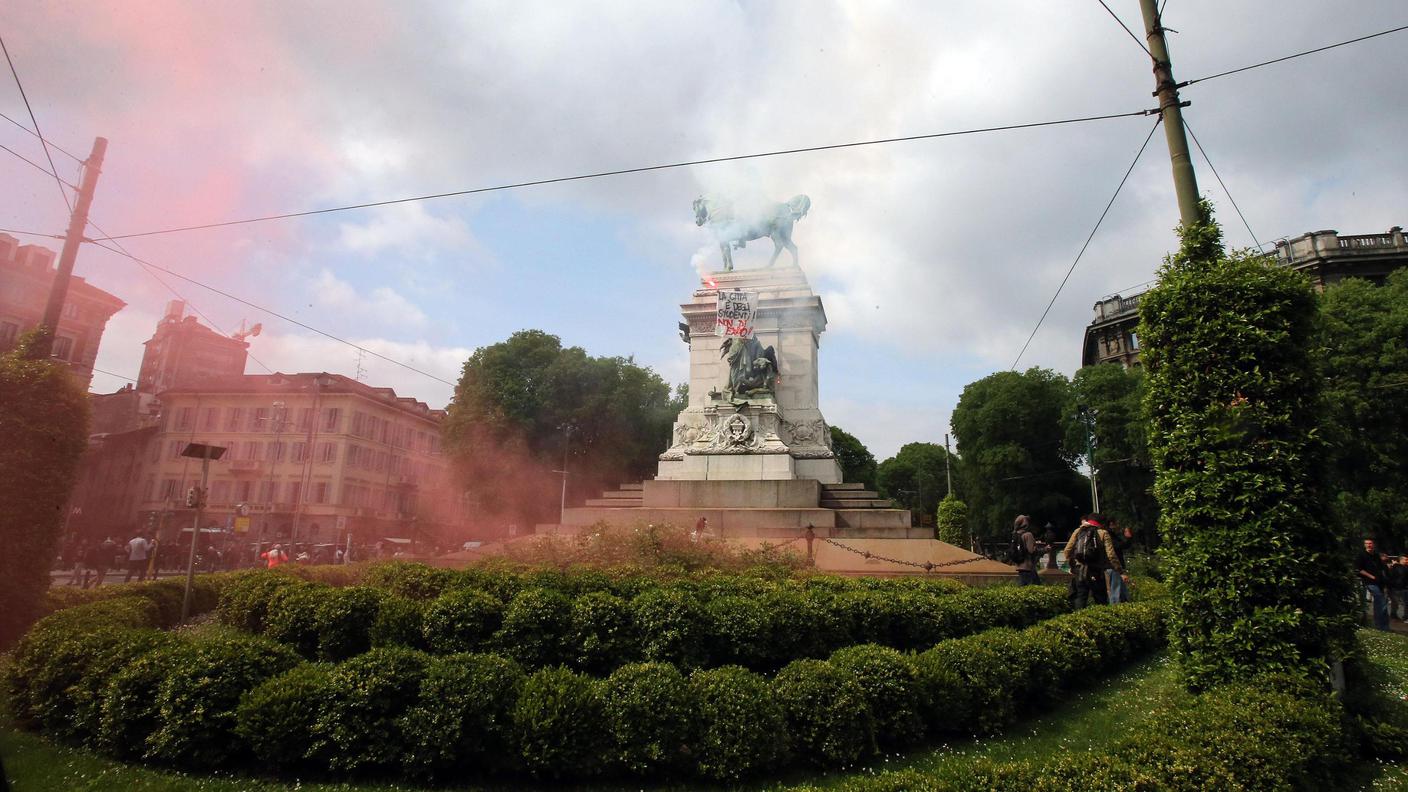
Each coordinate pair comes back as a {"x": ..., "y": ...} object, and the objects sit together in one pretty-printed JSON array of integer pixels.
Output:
[
  {"x": 1087, "y": 720},
  {"x": 1388, "y": 651}
]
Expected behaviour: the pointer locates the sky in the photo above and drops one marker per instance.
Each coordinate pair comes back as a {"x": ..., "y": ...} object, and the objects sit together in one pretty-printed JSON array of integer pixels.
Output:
[{"x": 934, "y": 258}]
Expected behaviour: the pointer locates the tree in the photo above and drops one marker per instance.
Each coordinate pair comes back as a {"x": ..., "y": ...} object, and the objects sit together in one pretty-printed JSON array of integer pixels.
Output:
[
  {"x": 951, "y": 523},
  {"x": 857, "y": 463},
  {"x": 1108, "y": 399},
  {"x": 523, "y": 404},
  {"x": 1364, "y": 357},
  {"x": 1012, "y": 439},
  {"x": 914, "y": 478},
  {"x": 44, "y": 424},
  {"x": 1256, "y": 570}
]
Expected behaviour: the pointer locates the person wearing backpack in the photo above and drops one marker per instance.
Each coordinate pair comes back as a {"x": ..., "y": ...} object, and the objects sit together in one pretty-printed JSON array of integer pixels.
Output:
[
  {"x": 1021, "y": 551},
  {"x": 1091, "y": 551}
]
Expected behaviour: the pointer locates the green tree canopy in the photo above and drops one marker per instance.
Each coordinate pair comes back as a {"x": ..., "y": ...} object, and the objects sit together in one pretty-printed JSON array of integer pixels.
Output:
[
  {"x": 857, "y": 463},
  {"x": 1112, "y": 401},
  {"x": 522, "y": 403},
  {"x": 1012, "y": 437},
  {"x": 1256, "y": 569},
  {"x": 44, "y": 423},
  {"x": 914, "y": 478},
  {"x": 1364, "y": 353}
]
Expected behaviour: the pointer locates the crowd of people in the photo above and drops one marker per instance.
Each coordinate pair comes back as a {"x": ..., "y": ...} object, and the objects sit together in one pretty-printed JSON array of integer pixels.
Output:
[
  {"x": 1094, "y": 552},
  {"x": 1385, "y": 581}
]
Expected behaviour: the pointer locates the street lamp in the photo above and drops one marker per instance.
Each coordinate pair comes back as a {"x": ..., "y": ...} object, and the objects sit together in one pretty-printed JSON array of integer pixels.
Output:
[
  {"x": 196, "y": 498},
  {"x": 1087, "y": 417}
]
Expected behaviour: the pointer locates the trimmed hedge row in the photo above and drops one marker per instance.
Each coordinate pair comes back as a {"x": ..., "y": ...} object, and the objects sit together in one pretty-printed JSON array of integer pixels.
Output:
[
  {"x": 214, "y": 699},
  {"x": 1272, "y": 733},
  {"x": 690, "y": 626}
]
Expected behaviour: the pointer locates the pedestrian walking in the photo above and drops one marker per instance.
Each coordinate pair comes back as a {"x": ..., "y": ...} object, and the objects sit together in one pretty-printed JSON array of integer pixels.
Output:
[
  {"x": 79, "y": 560},
  {"x": 274, "y": 556},
  {"x": 1049, "y": 537},
  {"x": 1021, "y": 551},
  {"x": 137, "y": 551},
  {"x": 1121, "y": 539},
  {"x": 102, "y": 557},
  {"x": 1091, "y": 551},
  {"x": 1372, "y": 574},
  {"x": 1398, "y": 588}
]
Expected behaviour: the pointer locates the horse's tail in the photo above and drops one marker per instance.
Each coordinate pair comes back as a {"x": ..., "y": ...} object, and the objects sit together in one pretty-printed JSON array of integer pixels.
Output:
[{"x": 799, "y": 206}]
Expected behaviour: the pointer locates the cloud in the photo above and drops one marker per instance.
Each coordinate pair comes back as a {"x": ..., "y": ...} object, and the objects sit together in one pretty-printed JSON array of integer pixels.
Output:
[
  {"x": 381, "y": 305},
  {"x": 407, "y": 230}
]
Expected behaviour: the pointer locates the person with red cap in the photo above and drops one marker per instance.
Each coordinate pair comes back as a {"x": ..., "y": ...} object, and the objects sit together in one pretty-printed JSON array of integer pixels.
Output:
[{"x": 1091, "y": 551}]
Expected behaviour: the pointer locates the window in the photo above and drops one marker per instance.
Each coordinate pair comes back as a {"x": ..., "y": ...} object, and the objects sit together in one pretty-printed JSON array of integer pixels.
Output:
[
  {"x": 220, "y": 491},
  {"x": 354, "y": 455},
  {"x": 1133, "y": 341},
  {"x": 259, "y": 419},
  {"x": 63, "y": 346},
  {"x": 175, "y": 448},
  {"x": 209, "y": 418},
  {"x": 266, "y": 491},
  {"x": 300, "y": 452},
  {"x": 184, "y": 416},
  {"x": 332, "y": 418},
  {"x": 320, "y": 492},
  {"x": 305, "y": 418},
  {"x": 242, "y": 491},
  {"x": 70, "y": 310},
  {"x": 275, "y": 451},
  {"x": 381, "y": 461},
  {"x": 233, "y": 419},
  {"x": 9, "y": 331},
  {"x": 295, "y": 488},
  {"x": 359, "y": 424},
  {"x": 149, "y": 488},
  {"x": 327, "y": 452}
]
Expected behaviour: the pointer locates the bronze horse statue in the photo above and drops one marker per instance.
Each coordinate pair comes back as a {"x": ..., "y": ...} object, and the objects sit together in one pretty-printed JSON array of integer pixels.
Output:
[{"x": 773, "y": 222}]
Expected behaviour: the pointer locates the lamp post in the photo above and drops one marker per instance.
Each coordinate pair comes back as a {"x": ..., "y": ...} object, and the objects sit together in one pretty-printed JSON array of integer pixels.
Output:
[
  {"x": 566, "y": 444},
  {"x": 196, "y": 498},
  {"x": 1087, "y": 416}
]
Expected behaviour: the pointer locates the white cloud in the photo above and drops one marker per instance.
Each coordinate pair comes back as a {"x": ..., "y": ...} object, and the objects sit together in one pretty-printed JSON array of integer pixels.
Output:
[
  {"x": 406, "y": 230},
  {"x": 380, "y": 305}
]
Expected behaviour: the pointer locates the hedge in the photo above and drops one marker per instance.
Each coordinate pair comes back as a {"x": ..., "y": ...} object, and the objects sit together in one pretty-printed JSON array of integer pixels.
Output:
[
  {"x": 557, "y": 725},
  {"x": 742, "y": 728},
  {"x": 462, "y": 720},
  {"x": 360, "y": 717},
  {"x": 827, "y": 711},
  {"x": 650, "y": 714},
  {"x": 279, "y": 717}
]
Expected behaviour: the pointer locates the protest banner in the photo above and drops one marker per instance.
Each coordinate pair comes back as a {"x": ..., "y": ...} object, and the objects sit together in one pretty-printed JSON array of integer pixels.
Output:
[{"x": 733, "y": 318}]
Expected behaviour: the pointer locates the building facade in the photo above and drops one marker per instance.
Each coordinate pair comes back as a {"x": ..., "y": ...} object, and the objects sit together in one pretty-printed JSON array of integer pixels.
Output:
[
  {"x": 184, "y": 353},
  {"x": 26, "y": 276},
  {"x": 317, "y": 458},
  {"x": 1324, "y": 256}
]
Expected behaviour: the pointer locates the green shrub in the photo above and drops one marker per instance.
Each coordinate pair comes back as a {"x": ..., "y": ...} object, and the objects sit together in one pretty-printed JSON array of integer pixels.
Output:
[
  {"x": 403, "y": 579},
  {"x": 130, "y": 707},
  {"x": 345, "y": 618},
  {"x": 744, "y": 631},
  {"x": 650, "y": 711},
  {"x": 244, "y": 599},
  {"x": 805, "y": 624},
  {"x": 602, "y": 634},
  {"x": 827, "y": 714},
  {"x": 367, "y": 695},
  {"x": 462, "y": 720},
  {"x": 461, "y": 620},
  {"x": 557, "y": 723},
  {"x": 951, "y": 523},
  {"x": 673, "y": 627},
  {"x": 891, "y": 687},
  {"x": 742, "y": 730},
  {"x": 400, "y": 621},
  {"x": 1255, "y": 566},
  {"x": 292, "y": 616},
  {"x": 535, "y": 627},
  {"x": 964, "y": 684},
  {"x": 196, "y": 702},
  {"x": 278, "y": 718}
]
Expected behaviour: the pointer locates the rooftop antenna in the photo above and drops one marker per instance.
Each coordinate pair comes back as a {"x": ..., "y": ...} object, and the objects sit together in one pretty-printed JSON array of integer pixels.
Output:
[
  {"x": 242, "y": 333},
  {"x": 361, "y": 369}
]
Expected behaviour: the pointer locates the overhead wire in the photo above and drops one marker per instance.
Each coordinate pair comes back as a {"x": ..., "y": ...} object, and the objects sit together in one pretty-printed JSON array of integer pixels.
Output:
[
  {"x": 38, "y": 167},
  {"x": 112, "y": 374},
  {"x": 1228, "y": 192},
  {"x": 1296, "y": 55},
  {"x": 625, "y": 171},
  {"x": 1088, "y": 238},
  {"x": 37, "y": 131},
  {"x": 52, "y": 144},
  {"x": 1116, "y": 17}
]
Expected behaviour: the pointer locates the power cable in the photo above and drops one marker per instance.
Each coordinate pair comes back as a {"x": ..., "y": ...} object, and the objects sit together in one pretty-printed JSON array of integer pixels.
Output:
[
  {"x": 111, "y": 374},
  {"x": 1296, "y": 55},
  {"x": 37, "y": 131},
  {"x": 1091, "y": 236},
  {"x": 271, "y": 312},
  {"x": 30, "y": 233},
  {"x": 1213, "y": 168},
  {"x": 39, "y": 168},
  {"x": 178, "y": 295},
  {"x": 1126, "y": 29},
  {"x": 52, "y": 144},
  {"x": 624, "y": 171}
]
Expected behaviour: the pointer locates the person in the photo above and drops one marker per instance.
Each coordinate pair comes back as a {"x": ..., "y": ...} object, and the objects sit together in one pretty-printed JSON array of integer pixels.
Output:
[
  {"x": 79, "y": 560},
  {"x": 137, "y": 550},
  {"x": 1372, "y": 574},
  {"x": 1398, "y": 588},
  {"x": 1121, "y": 539},
  {"x": 274, "y": 555},
  {"x": 103, "y": 556},
  {"x": 1022, "y": 551},
  {"x": 1049, "y": 537},
  {"x": 1090, "y": 552}
]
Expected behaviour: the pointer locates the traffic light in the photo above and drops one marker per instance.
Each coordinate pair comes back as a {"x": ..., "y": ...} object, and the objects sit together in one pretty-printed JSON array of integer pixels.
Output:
[
  {"x": 151, "y": 521},
  {"x": 193, "y": 497}
]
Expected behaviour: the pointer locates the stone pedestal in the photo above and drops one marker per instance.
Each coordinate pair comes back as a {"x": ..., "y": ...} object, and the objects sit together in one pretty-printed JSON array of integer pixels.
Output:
[{"x": 717, "y": 438}]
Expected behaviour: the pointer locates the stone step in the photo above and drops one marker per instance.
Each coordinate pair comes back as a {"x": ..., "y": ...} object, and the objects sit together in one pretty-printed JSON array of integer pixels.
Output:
[
  {"x": 851, "y": 495},
  {"x": 636, "y": 487},
  {"x": 855, "y": 485},
  {"x": 613, "y": 503},
  {"x": 624, "y": 494},
  {"x": 874, "y": 503}
]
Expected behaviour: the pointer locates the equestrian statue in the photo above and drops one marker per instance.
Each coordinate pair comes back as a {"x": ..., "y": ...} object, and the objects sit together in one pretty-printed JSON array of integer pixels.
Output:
[{"x": 737, "y": 228}]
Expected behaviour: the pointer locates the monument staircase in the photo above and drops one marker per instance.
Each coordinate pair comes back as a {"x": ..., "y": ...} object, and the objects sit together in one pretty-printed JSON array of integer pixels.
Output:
[{"x": 852, "y": 496}]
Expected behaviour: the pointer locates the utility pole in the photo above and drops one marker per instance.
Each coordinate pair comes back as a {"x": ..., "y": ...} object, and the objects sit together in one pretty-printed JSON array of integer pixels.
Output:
[
  {"x": 1087, "y": 418},
  {"x": 196, "y": 499},
  {"x": 1185, "y": 182},
  {"x": 77, "y": 222},
  {"x": 948, "y": 468},
  {"x": 566, "y": 444}
]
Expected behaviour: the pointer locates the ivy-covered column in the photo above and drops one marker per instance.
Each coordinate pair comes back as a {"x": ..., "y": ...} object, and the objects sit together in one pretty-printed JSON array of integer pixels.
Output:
[{"x": 1255, "y": 568}]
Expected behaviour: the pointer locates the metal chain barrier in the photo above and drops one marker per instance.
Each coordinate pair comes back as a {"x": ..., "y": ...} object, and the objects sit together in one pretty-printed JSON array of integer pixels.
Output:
[{"x": 927, "y": 566}]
